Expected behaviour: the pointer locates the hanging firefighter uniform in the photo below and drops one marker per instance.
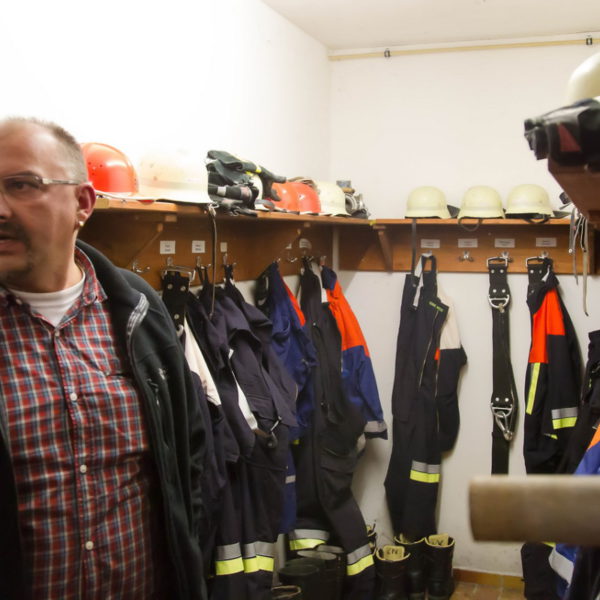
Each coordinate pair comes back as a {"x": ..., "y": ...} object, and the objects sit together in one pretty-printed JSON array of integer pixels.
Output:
[
  {"x": 552, "y": 385},
  {"x": 326, "y": 455},
  {"x": 552, "y": 392},
  {"x": 424, "y": 422}
]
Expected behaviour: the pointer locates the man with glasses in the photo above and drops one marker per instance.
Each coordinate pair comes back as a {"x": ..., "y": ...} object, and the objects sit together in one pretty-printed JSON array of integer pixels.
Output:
[{"x": 101, "y": 442}]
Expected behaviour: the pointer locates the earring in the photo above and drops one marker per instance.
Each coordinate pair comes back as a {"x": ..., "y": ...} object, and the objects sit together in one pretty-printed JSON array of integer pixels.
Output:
[{"x": 81, "y": 223}]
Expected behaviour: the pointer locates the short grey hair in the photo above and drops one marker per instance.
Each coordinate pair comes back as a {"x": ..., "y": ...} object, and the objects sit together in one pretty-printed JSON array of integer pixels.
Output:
[{"x": 68, "y": 143}]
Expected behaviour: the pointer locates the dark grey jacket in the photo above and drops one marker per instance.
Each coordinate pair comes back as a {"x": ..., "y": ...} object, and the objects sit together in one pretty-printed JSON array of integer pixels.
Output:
[{"x": 176, "y": 431}]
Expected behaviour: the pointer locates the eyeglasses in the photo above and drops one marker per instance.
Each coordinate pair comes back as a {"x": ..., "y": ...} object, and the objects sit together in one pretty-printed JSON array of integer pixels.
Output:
[{"x": 28, "y": 187}]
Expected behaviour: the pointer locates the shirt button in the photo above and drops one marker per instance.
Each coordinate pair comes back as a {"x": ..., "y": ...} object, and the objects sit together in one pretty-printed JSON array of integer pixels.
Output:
[
  {"x": 73, "y": 397},
  {"x": 89, "y": 545},
  {"x": 83, "y": 469}
]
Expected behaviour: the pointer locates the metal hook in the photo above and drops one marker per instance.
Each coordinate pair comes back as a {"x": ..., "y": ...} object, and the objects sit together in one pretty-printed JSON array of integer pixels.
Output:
[
  {"x": 136, "y": 269},
  {"x": 190, "y": 272},
  {"x": 466, "y": 255}
]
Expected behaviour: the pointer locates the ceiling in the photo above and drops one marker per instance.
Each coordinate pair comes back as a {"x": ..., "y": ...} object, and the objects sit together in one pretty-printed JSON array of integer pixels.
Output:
[{"x": 353, "y": 24}]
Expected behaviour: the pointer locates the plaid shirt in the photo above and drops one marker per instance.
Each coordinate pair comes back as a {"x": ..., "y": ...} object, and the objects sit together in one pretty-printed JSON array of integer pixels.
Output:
[{"x": 80, "y": 452}]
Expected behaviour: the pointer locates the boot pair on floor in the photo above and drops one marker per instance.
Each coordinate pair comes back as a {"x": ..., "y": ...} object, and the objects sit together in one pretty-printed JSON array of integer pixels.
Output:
[
  {"x": 319, "y": 573},
  {"x": 407, "y": 570}
]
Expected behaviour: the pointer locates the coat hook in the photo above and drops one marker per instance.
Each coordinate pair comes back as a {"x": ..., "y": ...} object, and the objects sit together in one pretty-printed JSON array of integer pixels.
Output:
[
  {"x": 466, "y": 255},
  {"x": 190, "y": 272},
  {"x": 137, "y": 269}
]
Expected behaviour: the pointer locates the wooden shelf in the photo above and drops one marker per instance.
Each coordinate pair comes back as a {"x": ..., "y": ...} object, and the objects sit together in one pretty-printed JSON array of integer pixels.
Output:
[
  {"x": 131, "y": 231},
  {"x": 387, "y": 245},
  {"x": 128, "y": 231}
]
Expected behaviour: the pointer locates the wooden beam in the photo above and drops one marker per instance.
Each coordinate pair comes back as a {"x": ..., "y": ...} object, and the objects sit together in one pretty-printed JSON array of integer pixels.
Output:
[{"x": 536, "y": 508}]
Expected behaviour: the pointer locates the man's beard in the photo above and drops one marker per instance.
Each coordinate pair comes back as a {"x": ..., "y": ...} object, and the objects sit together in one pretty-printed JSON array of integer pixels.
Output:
[{"x": 10, "y": 275}]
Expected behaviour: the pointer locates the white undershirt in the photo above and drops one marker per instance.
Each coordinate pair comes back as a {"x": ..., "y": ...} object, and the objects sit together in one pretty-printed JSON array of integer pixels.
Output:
[{"x": 52, "y": 305}]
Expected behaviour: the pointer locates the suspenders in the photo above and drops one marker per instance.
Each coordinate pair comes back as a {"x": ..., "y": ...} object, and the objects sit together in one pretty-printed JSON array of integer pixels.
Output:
[{"x": 504, "y": 400}]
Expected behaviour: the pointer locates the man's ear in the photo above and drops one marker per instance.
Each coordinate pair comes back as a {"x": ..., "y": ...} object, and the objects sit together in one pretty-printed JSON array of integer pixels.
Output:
[{"x": 86, "y": 200}]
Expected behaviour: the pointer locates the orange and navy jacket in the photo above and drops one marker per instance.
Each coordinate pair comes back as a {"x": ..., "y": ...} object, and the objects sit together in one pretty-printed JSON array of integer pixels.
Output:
[
  {"x": 357, "y": 370},
  {"x": 553, "y": 380}
]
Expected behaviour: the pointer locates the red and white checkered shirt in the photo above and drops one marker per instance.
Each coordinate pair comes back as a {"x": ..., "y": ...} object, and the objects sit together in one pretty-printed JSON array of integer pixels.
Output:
[{"x": 85, "y": 478}]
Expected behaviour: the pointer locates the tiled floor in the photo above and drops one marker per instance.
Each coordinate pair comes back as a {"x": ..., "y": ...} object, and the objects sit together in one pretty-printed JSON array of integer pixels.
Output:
[{"x": 476, "y": 591}]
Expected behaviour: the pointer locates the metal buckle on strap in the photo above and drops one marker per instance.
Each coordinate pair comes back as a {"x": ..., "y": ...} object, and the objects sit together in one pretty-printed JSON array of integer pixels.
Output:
[
  {"x": 499, "y": 303},
  {"x": 503, "y": 415}
]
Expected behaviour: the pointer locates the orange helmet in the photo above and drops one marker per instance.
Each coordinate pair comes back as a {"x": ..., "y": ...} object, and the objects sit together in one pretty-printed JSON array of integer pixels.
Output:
[
  {"x": 308, "y": 198},
  {"x": 110, "y": 171},
  {"x": 288, "y": 196}
]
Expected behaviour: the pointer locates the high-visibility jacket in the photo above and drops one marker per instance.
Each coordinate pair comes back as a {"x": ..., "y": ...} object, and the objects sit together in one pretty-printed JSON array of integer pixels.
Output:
[
  {"x": 553, "y": 380},
  {"x": 357, "y": 370}
]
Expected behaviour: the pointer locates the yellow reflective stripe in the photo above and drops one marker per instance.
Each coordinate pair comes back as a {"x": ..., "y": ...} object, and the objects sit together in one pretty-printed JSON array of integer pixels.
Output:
[
  {"x": 566, "y": 422},
  {"x": 250, "y": 565},
  {"x": 258, "y": 563},
  {"x": 360, "y": 565},
  {"x": 229, "y": 567},
  {"x": 424, "y": 477},
  {"x": 535, "y": 373},
  {"x": 551, "y": 544},
  {"x": 266, "y": 563},
  {"x": 304, "y": 544}
]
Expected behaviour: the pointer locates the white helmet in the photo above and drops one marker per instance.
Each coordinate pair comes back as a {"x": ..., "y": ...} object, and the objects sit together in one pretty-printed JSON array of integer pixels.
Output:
[
  {"x": 427, "y": 201},
  {"x": 178, "y": 176},
  {"x": 481, "y": 202},
  {"x": 528, "y": 198},
  {"x": 585, "y": 80},
  {"x": 531, "y": 200},
  {"x": 332, "y": 198}
]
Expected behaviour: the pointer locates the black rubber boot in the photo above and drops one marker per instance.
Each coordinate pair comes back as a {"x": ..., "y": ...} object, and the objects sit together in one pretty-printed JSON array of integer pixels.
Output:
[
  {"x": 416, "y": 576},
  {"x": 390, "y": 566},
  {"x": 340, "y": 565},
  {"x": 286, "y": 592},
  {"x": 439, "y": 553},
  {"x": 305, "y": 574},
  {"x": 328, "y": 571}
]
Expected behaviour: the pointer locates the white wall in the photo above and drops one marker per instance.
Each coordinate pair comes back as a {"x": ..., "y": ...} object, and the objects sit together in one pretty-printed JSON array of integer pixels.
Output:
[
  {"x": 229, "y": 75},
  {"x": 451, "y": 120}
]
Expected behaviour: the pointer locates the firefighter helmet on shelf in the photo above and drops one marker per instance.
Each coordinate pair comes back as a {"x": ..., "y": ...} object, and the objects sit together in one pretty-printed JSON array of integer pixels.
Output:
[
  {"x": 481, "y": 202},
  {"x": 332, "y": 198},
  {"x": 531, "y": 201},
  {"x": 176, "y": 176},
  {"x": 528, "y": 198},
  {"x": 427, "y": 201},
  {"x": 110, "y": 171},
  {"x": 288, "y": 196},
  {"x": 308, "y": 198}
]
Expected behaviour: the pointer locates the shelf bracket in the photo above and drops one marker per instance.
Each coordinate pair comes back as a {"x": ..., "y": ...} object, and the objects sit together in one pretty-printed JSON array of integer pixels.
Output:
[{"x": 386, "y": 246}]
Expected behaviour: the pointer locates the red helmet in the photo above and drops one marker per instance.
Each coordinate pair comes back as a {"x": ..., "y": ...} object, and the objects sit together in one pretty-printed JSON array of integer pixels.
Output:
[
  {"x": 288, "y": 196},
  {"x": 109, "y": 170},
  {"x": 308, "y": 198}
]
